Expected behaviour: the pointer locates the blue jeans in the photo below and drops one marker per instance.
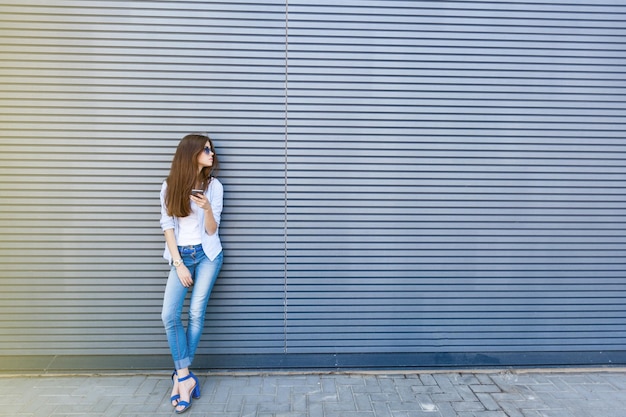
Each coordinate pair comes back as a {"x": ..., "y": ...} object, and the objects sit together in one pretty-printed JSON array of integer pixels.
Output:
[{"x": 204, "y": 272}]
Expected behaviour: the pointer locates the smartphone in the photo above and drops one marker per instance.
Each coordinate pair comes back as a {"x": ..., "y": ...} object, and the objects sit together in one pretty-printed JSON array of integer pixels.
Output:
[{"x": 197, "y": 192}]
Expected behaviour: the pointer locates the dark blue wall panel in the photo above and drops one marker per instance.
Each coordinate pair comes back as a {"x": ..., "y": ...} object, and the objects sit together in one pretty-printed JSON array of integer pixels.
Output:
[{"x": 457, "y": 176}]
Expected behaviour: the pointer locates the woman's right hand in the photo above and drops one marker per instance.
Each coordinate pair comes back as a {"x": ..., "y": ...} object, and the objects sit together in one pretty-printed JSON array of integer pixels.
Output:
[{"x": 184, "y": 275}]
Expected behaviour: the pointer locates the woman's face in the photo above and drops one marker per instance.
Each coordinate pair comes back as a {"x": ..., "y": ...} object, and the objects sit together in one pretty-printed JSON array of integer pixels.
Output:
[{"x": 205, "y": 159}]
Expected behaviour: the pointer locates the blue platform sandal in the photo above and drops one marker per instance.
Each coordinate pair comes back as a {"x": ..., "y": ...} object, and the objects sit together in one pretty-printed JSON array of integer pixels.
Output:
[
  {"x": 195, "y": 393},
  {"x": 175, "y": 397}
]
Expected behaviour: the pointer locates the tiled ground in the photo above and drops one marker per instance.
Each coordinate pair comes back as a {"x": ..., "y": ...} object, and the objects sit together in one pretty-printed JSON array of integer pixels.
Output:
[{"x": 582, "y": 393}]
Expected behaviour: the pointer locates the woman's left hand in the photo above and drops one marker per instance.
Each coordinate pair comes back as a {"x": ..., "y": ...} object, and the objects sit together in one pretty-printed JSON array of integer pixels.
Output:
[{"x": 201, "y": 201}]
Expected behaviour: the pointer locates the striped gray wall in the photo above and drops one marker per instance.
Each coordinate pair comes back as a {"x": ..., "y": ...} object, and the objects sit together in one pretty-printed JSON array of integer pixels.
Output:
[
  {"x": 403, "y": 179},
  {"x": 456, "y": 176},
  {"x": 95, "y": 97}
]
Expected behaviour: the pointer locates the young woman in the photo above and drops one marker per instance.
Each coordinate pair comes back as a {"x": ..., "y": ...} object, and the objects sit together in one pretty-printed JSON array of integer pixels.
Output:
[{"x": 191, "y": 208}]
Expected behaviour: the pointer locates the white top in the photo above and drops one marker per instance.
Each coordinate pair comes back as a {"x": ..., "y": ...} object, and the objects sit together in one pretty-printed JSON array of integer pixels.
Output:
[
  {"x": 211, "y": 244},
  {"x": 190, "y": 230}
]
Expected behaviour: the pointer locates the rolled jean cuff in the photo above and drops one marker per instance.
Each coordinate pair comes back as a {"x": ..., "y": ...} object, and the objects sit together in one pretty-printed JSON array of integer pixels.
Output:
[{"x": 182, "y": 364}]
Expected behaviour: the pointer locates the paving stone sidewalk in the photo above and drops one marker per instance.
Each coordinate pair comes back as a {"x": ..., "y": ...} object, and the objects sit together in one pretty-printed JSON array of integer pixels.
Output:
[{"x": 581, "y": 393}]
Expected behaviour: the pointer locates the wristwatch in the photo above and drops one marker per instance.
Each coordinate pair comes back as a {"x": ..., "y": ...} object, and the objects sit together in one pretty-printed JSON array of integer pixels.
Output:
[{"x": 178, "y": 262}]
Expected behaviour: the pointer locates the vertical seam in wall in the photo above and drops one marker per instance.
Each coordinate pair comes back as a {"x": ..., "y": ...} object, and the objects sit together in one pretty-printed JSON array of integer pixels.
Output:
[{"x": 285, "y": 303}]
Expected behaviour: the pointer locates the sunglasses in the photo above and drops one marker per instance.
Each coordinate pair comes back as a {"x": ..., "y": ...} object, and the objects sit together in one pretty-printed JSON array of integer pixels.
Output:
[{"x": 208, "y": 150}]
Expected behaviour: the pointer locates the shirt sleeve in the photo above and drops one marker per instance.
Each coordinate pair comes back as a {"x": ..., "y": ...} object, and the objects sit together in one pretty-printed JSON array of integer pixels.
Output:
[
  {"x": 167, "y": 221},
  {"x": 216, "y": 196}
]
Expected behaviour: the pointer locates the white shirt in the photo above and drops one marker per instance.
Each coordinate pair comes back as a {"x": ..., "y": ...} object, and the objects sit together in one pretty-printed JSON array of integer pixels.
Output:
[{"x": 211, "y": 244}]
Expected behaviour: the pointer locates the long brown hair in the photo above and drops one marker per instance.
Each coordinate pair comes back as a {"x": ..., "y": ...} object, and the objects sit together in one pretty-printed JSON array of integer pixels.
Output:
[{"x": 184, "y": 174}]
